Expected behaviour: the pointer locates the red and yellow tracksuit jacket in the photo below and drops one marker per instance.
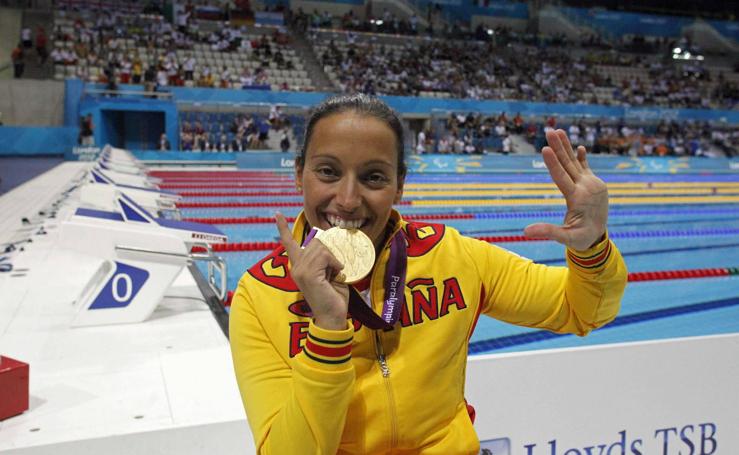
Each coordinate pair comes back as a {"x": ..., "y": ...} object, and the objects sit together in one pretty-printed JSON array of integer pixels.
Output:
[{"x": 312, "y": 391}]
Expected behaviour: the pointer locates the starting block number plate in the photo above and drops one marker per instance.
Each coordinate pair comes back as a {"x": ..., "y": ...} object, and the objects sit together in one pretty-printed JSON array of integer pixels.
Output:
[{"x": 121, "y": 288}]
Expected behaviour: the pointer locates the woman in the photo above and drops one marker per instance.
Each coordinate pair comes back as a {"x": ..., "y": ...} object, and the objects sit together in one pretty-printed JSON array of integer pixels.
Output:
[{"x": 314, "y": 380}]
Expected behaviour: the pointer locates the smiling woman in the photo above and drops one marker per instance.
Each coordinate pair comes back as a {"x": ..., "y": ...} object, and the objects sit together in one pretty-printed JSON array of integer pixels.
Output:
[{"x": 377, "y": 366}]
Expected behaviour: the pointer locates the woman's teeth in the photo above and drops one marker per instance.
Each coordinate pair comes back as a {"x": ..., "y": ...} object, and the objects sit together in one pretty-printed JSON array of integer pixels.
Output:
[{"x": 336, "y": 221}]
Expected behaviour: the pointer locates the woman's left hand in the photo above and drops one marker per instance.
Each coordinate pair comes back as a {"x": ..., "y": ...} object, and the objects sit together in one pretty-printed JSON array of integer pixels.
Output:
[{"x": 586, "y": 196}]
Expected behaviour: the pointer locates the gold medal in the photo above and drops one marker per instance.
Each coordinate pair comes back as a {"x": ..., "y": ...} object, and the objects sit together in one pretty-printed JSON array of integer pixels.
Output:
[{"x": 353, "y": 249}]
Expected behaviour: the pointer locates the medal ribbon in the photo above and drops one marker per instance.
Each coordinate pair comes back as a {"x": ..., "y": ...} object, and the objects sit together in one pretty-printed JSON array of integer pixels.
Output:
[{"x": 394, "y": 293}]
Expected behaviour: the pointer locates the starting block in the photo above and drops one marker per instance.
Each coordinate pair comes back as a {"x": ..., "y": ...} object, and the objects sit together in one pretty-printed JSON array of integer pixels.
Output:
[
  {"x": 101, "y": 191},
  {"x": 142, "y": 255}
]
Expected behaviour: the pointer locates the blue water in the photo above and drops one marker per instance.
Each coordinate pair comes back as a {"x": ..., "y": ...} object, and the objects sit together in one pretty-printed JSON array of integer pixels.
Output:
[{"x": 650, "y": 310}]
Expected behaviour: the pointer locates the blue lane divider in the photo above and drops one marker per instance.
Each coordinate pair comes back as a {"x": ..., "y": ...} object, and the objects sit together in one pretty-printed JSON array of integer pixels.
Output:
[
  {"x": 672, "y": 233},
  {"x": 644, "y": 252},
  {"x": 610, "y": 225},
  {"x": 493, "y": 344},
  {"x": 560, "y": 213},
  {"x": 544, "y": 177}
]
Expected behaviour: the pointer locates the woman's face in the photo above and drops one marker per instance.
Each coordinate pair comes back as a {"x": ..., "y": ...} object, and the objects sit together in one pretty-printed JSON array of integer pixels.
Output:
[{"x": 350, "y": 174}]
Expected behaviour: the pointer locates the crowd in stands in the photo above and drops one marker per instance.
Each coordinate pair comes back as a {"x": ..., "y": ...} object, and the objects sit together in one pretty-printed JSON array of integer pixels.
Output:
[
  {"x": 478, "y": 133},
  {"x": 484, "y": 70},
  {"x": 235, "y": 132},
  {"x": 141, "y": 48},
  {"x": 501, "y": 64}
]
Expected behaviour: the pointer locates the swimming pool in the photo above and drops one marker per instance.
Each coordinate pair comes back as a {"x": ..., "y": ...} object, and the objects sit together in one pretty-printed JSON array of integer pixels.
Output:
[{"x": 659, "y": 222}]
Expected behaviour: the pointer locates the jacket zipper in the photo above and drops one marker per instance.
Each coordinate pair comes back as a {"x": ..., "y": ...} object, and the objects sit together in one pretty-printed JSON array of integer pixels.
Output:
[
  {"x": 386, "y": 380},
  {"x": 385, "y": 370}
]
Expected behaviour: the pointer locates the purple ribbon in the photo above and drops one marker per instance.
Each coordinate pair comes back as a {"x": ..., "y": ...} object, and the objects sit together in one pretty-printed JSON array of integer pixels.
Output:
[{"x": 394, "y": 294}]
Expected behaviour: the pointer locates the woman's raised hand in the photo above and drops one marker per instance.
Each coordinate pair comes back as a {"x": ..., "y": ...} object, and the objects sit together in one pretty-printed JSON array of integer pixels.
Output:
[{"x": 586, "y": 196}]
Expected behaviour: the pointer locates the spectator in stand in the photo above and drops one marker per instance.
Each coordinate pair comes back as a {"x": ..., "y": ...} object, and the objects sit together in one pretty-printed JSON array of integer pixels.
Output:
[
  {"x": 518, "y": 123},
  {"x": 276, "y": 117},
  {"x": 444, "y": 145},
  {"x": 18, "y": 58},
  {"x": 206, "y": 78},
  {"x": 26, "y": 38},
  {"x": 263, "y": 134},
  {"x": 551, "y": 124},
  {"x": 531, "y": 133},
  {"x": 125, "y": 70},
  {"x": 225, "y": 77},
  {"x": 285, "y": 140},
  {"x": 420, "y": 141},
  {"x": 41, "y": 41},
  {"x": 164, "y": 142},
  {"x": 507, "y": 144},
  {"x": 246, "y": 79},
  {"x": 86, "y": 136},
  {"x": 189, "y": 67},
  {"x": 57, "y": 57},
  {"x": 162, "y": 79},
  {"x": 137, "y": 69},
  {"x": 70, "y": 57}
]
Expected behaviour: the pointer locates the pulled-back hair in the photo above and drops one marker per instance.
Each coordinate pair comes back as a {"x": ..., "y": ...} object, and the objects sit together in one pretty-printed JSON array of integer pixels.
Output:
[{"x": 362, "y": 104}]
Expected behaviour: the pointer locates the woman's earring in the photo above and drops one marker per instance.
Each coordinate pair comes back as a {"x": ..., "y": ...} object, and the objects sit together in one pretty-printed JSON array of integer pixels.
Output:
[{"x": 299, "y": 188}]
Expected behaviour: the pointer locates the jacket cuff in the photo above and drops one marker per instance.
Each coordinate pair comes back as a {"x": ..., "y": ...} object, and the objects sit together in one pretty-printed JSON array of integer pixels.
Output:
[
  {"x": 592, "y": 260},
  {"x": 329, "y": 347}
]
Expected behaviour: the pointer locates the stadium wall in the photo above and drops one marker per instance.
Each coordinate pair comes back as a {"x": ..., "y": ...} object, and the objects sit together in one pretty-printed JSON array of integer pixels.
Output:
[
  {"x": 30, "y": 102},
  {"x": 10, "y": 31}
]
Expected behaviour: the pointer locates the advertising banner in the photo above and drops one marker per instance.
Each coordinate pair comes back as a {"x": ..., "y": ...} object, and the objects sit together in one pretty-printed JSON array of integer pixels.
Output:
[
  {"x": 669, "y": 397},
  {"x": 498, "y": 163}
]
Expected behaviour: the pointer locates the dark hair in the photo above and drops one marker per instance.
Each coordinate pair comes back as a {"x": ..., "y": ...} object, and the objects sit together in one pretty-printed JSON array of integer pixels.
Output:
[{"x": 362, "y": 104}]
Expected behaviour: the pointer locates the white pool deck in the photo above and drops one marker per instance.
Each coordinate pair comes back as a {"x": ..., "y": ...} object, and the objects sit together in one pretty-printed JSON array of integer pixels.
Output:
[{"x": 162, "y": 386}]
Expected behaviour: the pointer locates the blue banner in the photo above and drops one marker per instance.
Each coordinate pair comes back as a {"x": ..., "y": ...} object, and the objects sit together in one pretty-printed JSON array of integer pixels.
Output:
[
  {"x": 264, "y": 18},
  {"x": 19, "y": 140},
  {"x": 433, "y": 163},
  {"x": 195, "y": 157},
  {"x": 413, "y": 105},
  {"x": 513, "y": 10},
  {"x": 623, "y": 23},
  {"x": 727, "y": 28}
]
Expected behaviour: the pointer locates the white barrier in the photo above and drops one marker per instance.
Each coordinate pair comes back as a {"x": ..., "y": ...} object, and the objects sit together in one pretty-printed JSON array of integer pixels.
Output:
[{"x": 666, "y": 397}]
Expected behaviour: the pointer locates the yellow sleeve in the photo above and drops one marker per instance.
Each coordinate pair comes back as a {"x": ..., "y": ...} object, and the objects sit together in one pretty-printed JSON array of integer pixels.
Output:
[
  {"x": 575, "y": 299},
  {"x": 297, "y": 406}
]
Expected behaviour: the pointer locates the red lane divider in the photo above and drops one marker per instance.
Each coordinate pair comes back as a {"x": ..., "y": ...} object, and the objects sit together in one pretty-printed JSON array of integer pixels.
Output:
[
  {"x": 240, "y": 194},
  {"x": 218, "y": 173},
  {"x": 243, "y": 246},
  {"x": 201, "y": 205},
  {"x": 632, "y": 277},
  {"x": 177, "y": 186},
  {"x": 679, "y": 274},
  {"x": 266, "y": 219},
  {"x": 268, "y": 246},
  {"x": 219, "y": 182},
  {"x": 245, "y": 220}
]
